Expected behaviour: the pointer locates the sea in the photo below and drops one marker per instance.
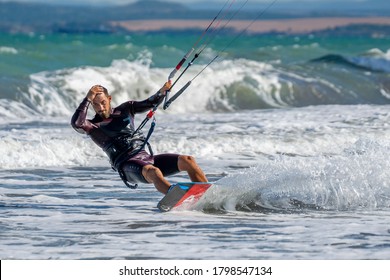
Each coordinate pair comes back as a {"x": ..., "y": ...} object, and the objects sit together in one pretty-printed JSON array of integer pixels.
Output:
[{"x": 293, "y": 131}]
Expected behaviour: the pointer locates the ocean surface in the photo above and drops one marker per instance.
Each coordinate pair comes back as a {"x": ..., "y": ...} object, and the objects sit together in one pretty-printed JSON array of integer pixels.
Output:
[{"x": 293, "y": 130}]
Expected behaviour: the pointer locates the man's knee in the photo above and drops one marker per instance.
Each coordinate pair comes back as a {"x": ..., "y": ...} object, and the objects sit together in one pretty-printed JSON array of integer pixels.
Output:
[
  {"x": 187, "y": 162},
  {"x": 150, "y": 172}
]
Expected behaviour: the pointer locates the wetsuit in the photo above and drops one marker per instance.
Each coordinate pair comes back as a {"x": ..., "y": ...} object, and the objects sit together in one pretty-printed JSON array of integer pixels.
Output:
[{"x": 115, "y": 136}]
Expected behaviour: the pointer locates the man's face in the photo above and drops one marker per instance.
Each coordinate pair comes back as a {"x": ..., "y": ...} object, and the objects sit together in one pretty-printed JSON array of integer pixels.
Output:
[{"x": 102, "y": 105}]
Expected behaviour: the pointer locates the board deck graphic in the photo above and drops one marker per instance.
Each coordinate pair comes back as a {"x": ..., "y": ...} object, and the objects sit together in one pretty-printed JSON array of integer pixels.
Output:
[{"x": 183, "y": 194}]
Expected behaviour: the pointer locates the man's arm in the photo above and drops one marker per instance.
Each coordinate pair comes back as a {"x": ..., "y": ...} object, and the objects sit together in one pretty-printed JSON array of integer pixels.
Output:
[
  {"x": 156, "y": 99},
  {"x": 79, "y": 119}
]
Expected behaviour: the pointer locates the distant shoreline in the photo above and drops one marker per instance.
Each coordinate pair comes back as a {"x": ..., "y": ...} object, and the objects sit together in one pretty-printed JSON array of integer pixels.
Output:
[{"x": 291, "y": 26}]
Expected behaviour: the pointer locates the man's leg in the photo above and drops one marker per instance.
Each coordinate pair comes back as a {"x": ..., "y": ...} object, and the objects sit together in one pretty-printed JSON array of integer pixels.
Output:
[
  {"x": 169, "y": 164},
  {"x": 154, "y": 175},
  {"x": 188, "y": 163}
]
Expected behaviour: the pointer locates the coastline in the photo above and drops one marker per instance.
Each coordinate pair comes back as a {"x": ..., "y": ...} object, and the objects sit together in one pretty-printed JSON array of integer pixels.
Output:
[{"x": 292, "y": 26}]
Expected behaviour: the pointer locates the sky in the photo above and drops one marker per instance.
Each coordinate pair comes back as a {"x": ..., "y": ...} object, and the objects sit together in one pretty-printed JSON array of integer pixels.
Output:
[
  {"x": 381, "y": 5},
  {"x": 118, "y": 2}
]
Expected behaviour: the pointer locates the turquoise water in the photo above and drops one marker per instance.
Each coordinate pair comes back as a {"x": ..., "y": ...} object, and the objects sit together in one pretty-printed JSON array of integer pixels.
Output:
[{"x": 23, "y": 55}]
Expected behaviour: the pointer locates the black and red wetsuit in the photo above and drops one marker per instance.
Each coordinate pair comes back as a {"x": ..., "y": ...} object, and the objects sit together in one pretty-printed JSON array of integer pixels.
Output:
[{"x": 115, "y": 136}]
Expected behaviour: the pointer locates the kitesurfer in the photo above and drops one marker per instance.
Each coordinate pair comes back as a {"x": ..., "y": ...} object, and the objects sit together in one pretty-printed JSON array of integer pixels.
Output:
[{"x": 112, "y": 129}]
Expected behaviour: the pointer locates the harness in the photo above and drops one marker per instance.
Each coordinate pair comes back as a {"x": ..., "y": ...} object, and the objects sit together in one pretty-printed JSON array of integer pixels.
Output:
[{"x": 125, "y": 147}]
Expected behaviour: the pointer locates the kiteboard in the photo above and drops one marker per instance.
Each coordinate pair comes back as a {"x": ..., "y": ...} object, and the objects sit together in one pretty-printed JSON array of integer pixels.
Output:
[{"x": 182, "y": 195}]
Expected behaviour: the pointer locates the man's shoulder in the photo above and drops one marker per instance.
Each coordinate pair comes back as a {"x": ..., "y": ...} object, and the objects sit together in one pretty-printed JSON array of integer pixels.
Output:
[{"x": 125, "y": 106}]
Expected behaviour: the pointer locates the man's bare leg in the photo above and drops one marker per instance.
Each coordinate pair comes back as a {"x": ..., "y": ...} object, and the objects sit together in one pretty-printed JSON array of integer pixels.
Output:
[
  {"x": 188, "y": 163},
  {"x": 154, "y": 175}
]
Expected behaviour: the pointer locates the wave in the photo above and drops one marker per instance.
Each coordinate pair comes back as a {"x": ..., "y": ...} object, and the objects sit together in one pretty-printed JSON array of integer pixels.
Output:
[
  {"x": 227, "y": 85},
  {"x": 374, "y": 60}
]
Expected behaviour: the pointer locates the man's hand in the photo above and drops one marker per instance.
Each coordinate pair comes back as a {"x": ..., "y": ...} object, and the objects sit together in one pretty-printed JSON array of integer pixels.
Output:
[
  {"x": 95, "y": 90},
  {"x": 166, "y": 87}
]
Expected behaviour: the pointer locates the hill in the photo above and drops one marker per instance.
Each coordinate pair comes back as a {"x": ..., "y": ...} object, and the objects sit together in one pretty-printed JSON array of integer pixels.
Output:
[{"x": 45, "y": 18}]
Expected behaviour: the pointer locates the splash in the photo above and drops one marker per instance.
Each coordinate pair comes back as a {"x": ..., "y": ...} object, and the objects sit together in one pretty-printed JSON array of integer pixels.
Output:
[{"x": 356, "y": 179}]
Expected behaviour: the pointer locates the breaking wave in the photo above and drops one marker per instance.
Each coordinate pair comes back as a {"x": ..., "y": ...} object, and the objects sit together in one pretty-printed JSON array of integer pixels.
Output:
[
  {"x": 373, "y": 60},
  {"x": 227, "y": 85}
]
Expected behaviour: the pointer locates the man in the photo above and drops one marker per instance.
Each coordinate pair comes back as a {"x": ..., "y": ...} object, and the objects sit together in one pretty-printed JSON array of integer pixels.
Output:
[{"x": 112, "y": 129}]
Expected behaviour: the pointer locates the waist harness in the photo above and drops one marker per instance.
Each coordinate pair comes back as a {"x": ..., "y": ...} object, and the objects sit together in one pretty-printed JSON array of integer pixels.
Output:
[{"x": 125, "y": 147}]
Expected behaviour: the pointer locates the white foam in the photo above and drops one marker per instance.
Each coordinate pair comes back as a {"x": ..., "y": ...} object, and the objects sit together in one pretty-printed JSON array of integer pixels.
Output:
[
  {"x": 374, "y": 59},
  {"x": 8, "y": 50},
  {"x": 24, "y": 147},
  {"x": 11, "y": 110},
  {"x": 375, "y": 52}
]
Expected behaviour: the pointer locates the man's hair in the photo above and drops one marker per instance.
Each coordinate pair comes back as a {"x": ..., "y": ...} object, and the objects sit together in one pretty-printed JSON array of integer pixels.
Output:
[
  {"x": 105, "y": 91},
  {"x": 101, "y": 88}
]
